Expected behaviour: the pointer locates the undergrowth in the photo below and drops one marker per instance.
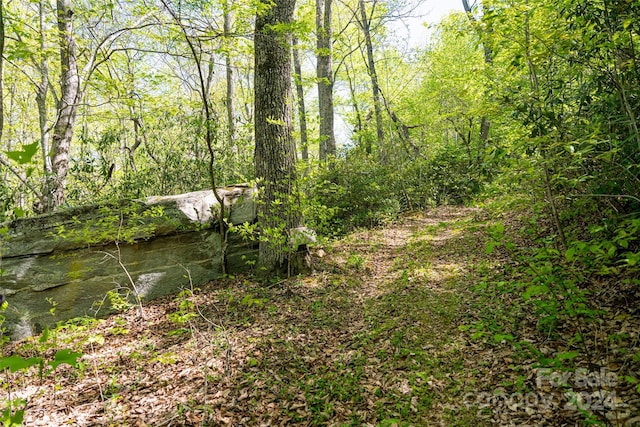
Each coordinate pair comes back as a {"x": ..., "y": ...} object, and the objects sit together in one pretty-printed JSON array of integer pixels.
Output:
[
  {"x": 462, "y": 318},
  {"x": 563, "y": 316}
]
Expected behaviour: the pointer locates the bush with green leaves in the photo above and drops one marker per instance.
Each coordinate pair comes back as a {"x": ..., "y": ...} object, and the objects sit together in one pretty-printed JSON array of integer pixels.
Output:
[
  {"x": 360, "y": 191},
  {"x": 447, "y": 177},
  {"x": 349, "y": 193}
]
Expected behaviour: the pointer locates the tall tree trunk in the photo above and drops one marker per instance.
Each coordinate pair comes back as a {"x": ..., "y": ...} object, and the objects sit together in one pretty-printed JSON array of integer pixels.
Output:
[
  {"x": 356, "y": 109},
  {"x": 485, "y": 123},
  {"x": 42, "y": 90},
  {"x": 67, "y": 106},
  {"x": 1, "y": 68},
  {"x": 324, "y": 73},
  {"x": 619, "y": 82},
  {"x": 231, "y": 113},
  {"x": 275, "y": 154},
  {"x": 375, "y": 87},
  {"x": 302, "y": 110}
]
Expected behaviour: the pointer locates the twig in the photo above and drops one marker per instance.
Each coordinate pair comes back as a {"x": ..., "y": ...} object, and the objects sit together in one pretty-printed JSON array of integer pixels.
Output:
[
  {"x": 220, "y": 326},
  {"x": 131, "y": 281},
  {"x": 118, "y": 258},
  {"x": 191, "y": 288},
  {"x": 23, "y": 180},
  {"x": 95, "y": 370}
]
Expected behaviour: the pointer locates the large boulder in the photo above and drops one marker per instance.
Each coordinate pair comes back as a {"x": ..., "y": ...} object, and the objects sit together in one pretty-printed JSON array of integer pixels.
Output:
[{"x": 74, "y": 257}]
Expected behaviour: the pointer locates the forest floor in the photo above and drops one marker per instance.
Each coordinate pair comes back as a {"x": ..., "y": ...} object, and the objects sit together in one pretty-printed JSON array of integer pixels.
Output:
[{"x": 402, "y": 325}]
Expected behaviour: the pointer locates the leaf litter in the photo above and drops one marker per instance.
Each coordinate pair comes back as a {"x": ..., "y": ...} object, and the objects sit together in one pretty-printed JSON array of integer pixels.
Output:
[{"x": 379, "y": 334}]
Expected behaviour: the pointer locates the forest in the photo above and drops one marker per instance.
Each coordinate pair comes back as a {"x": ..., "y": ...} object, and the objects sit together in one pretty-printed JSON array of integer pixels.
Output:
[{"x": 474, "y": 203}]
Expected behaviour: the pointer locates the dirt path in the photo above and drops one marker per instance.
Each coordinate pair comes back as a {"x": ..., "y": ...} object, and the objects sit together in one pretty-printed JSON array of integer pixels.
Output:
[
  {"x": 370, "y": 339},
  {"x": 386, "y": 332}
]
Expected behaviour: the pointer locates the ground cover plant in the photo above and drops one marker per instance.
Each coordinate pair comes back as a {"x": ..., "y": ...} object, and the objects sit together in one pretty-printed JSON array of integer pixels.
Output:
[{"x": 415, "y": 323}]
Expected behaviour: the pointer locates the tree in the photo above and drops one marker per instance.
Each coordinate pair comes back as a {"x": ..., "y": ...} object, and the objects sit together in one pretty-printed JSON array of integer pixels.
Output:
[
  {"x": 302, "y": 110},
  {"x": 365, "y": 25},
  {"x": 566, "y": 74},
  {"x": 210, "y": 118},
  {"x": 486, "y": 124},
  {"x": 229, "y": 101},
  {"x": 275, "y": 153},
  {"x": 73, "y": 86},
  {"x": 455, "y": 90},
  {"x": 67, "y": 105},
  {"x": 324, "y": 74},
  {"x": 42, "y": 90},
  {"x": 2, "y": 34}
]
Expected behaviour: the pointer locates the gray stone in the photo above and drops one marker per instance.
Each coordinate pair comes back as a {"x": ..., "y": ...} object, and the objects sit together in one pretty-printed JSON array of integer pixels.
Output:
[{"x": 73, "y": 257}]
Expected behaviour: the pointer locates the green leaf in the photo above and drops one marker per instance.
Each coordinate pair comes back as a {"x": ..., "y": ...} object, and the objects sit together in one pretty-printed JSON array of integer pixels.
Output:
[
  {"x": 45, "y": 335},
  {"x": 12, "y": 420},
  {"x": 25, "y": 155},
  {"x": 65, "y": 356},
  {"x": 490, "y": 246},
  {"x": 567, "y": 355},
  {"x": 570, "y": 254},
  {"x": 97, "y": 339},
  {"x": 477, "y": 335},
  {"x": 502, "y": 337},
  {"x": 535, "y": 290},
  {"x": 632, "y": 259},
  {"x": 16, "y": 363},
  {"x": 389, "y": 422}
]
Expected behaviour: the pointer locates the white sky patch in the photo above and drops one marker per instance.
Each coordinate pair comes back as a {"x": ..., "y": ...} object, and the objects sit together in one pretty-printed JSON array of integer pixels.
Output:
[
  {"x": 410, "y": 33},
  {"x": 430, "y": 12}
]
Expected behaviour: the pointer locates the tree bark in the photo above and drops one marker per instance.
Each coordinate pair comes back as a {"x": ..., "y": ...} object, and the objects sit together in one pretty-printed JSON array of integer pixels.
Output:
[
  {"x": 485, "y": 124},
  {"x": 324, "y": 73},
  {"x": 2, "y": 33},
  {"x": 67, "y": 106},
  {"x": 356, "y": 109},
  {"x": 231, "y": 113},
  {"x": 275, "y": 154},
  {"x": 302, "y": 110},
  {"x": 42, "y": 91},
  {"x": 375, "y": 87}
]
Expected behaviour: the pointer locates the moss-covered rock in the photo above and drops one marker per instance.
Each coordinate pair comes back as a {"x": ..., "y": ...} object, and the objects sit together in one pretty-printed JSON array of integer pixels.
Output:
[{"x": 72, "y": 257}]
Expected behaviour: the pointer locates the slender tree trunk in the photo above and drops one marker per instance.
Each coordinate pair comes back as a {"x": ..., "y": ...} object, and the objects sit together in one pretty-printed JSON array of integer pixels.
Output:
[
  {"x": 68, "y": 104},
  {"x": 1, "y": 69},
  {"x": 324, "y": 73},
  {"x": 7, "y": 165},
  {"x": 275, "y": 154},
  {"x": 485, "y": 123},
  {"x": 619, "y": 82},
  {"x": 42, "y": 91},
  {"x": 302, "y": 110},
  {"x": 375, "y": 87},
  {"x": 231, "y": 113},
  {"x": 210, "y": 121},
  {"x": 540, "y": 134},
  {"x": 356, "y": 109}
]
